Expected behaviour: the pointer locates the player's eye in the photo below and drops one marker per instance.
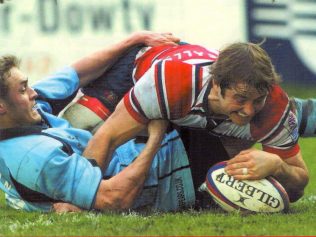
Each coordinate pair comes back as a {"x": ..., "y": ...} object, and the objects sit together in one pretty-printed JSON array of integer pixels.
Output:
[
  {"x": 23, "y": 89},
  {"x": 240, "y": 100},
  {"x": 260, "y": 100}
]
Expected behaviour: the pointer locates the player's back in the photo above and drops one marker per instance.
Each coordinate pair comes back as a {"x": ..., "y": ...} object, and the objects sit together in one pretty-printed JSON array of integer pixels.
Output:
[{"x": 186, "y": 53}]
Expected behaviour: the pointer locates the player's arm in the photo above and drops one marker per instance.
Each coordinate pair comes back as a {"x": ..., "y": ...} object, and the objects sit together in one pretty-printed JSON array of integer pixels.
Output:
[
  {"x": 291, "y": 172},
  {"x": 93, "y": 65},
  {"x": 119, "y": 192},
  {"x": 118, "y": 128}
]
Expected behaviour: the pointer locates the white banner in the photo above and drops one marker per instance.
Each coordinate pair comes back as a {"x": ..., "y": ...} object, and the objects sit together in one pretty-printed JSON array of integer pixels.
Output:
[{"x": 48, "y": 34}]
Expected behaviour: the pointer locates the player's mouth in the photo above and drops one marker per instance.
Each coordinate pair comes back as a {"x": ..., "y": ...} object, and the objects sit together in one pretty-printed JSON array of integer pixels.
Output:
[
  {"x": 240, "y": 118},
  {"x": 34, "y": 110},
  {"x": 241, "y": 114}
]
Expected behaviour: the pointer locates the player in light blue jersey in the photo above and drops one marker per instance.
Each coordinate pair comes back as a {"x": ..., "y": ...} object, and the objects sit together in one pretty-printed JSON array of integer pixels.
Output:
[{"x": 42, "y": 157}]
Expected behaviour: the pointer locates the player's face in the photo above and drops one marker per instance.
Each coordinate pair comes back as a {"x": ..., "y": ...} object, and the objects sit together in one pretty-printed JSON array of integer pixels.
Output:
[
  {"x": 240, "y": 104},
  {"x": 20, "y": 102}
]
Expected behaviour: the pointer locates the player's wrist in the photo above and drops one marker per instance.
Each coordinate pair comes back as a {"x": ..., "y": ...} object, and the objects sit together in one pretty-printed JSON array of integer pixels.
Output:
[
  {"x": 139, "y": 37},
  {"x": 278, "y": 164}
]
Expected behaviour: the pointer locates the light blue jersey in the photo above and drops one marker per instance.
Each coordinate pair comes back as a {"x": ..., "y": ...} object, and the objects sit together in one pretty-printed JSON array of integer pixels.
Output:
[
  {"x": 41, "y": 163},
  {"x": 169, "y": 185},
  {"x": 306, "y": 115}
]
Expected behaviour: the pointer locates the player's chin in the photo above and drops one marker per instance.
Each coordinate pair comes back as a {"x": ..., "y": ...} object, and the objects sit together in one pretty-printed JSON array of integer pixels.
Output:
[
  {"x": 239, "y": 120},
  {"x": 35, "y": 118}
]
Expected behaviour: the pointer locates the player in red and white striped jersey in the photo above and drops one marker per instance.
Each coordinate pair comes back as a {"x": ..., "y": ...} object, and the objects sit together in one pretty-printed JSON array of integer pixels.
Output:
[
  {"x": 177, "y": 88},
  {"x": 232, "y": 93}
]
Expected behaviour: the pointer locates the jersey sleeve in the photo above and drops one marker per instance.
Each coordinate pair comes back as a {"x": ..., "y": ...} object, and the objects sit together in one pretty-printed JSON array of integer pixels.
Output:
[
  {"x": 276, "y": 126},
  {"x": 57, "y": 175},
  {"x": 166, "y": 91},
  {"x": 57, "y": 90}
]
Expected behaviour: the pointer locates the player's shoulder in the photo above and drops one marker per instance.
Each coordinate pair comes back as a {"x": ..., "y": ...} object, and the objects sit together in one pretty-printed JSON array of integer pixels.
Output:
[
  {"x": 31, "y": 154},
  {"x": 276, "y": 110},
  {"x": 31, "y": 150}
]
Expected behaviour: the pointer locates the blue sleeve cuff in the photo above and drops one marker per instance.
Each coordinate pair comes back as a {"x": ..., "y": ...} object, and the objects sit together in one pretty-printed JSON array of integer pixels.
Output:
[
  {"x": 87, "y": 188},
  {"x": 60, "y": 85}
]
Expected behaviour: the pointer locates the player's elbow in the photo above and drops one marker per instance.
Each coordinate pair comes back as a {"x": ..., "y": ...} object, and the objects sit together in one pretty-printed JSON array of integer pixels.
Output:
[
  {"x": 113, "y": 203},
  {"x": 297, "y": 191},
  {"x": 295, "y": 195},
  {"x": 113, "y": 198},
  {"x": 117, "y": 203}
]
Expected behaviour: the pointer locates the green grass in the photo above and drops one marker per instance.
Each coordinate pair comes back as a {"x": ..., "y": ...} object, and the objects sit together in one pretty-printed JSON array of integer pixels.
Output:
[
  {"x": 297, "y": 90},
  {"x": 299, "y": 221}
]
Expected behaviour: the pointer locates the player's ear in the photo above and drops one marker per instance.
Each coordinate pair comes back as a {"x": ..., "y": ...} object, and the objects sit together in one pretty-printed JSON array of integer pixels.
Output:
[
  {"x": 3, "y": 107},
  {"x": 216, "y": 87}
]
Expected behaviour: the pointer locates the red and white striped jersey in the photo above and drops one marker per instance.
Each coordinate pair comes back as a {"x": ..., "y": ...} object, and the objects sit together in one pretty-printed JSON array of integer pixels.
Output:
[{"x": 172, "y": 82}]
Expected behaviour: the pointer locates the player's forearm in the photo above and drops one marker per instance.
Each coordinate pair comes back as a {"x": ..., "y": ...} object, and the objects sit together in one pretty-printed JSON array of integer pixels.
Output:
[
  {"x": 120, "y": 191},
  {"x": 145, "y": 158},
  {"x": 136, "y": 173},
  {"x": 100, "y": 148},
  {"x": 103, "y": 144},
  {"x": 93, "y": 65},
  {"x": 293, "y": 178},
  {"x": 118, "y": 128}
]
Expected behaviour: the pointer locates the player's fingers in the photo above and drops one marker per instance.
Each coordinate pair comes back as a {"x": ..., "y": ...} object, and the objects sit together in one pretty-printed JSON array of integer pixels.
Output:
[
  {"x": 243, "y": 152},
  {"x": 242, "y": 173},
  {"x": 243, "y": 177},
  {"x": 238, "y": 159},
  {"x": 65, "y": 207},
  {"x": 169, "y": 43},
  {"x": 238, "y": 169},
  {"x": 170, "y": 38},
  {"x": 237, "y": 165},
  {"x": 245, "y": 174},
  {"x": 166, "y": 33}
]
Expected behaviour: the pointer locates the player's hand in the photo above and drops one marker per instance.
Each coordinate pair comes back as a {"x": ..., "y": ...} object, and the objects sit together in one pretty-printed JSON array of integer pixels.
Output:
[
  {"x": 150, "y": 38},
  {"x": 61, "y": 207},
  {"x": 253, "y": 164}
]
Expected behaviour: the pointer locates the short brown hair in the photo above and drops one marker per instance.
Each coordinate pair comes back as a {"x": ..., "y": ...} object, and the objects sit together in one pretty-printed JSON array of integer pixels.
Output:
[
  {"x": 6, "y": 63},
  {"x": 247, "y": 63}
]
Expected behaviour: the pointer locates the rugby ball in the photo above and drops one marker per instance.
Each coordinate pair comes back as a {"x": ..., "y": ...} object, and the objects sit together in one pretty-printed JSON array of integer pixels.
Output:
[{"x": 265, "y": 195}]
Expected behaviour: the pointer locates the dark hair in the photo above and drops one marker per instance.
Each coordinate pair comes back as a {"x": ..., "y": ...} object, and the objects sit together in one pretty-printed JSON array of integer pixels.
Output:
[
  {"x": 247, "y": 63},
  {"x": 6, "y": 63}
]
